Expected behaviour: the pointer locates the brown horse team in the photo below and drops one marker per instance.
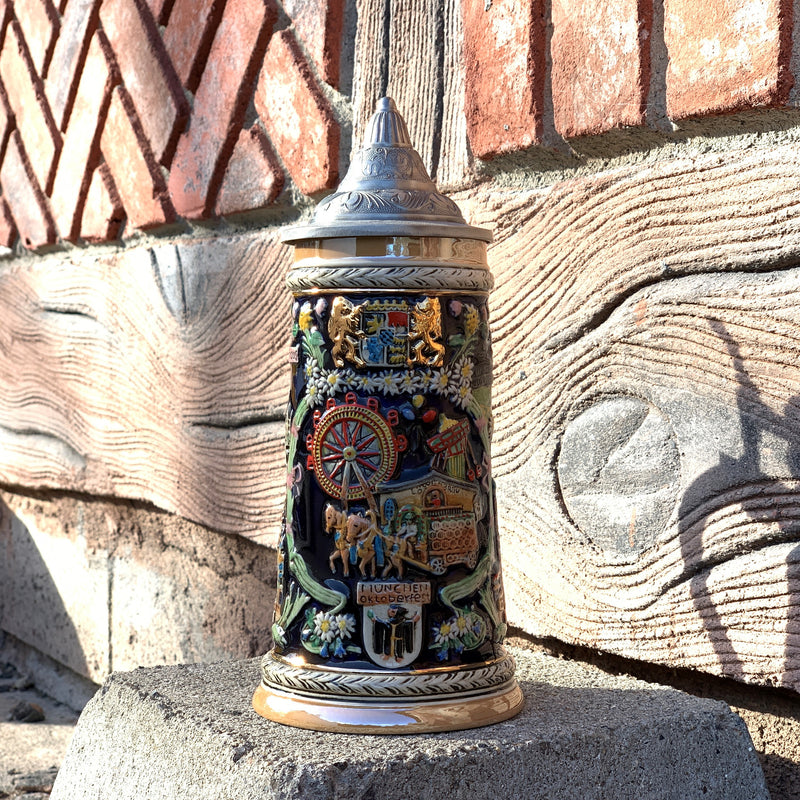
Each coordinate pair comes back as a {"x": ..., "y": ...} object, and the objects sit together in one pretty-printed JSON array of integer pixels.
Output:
[{"x": 354, "y": 537}]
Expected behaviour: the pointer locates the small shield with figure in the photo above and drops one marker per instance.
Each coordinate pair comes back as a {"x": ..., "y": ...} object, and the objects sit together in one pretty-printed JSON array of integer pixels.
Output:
[{"x": 392, "y": 620}]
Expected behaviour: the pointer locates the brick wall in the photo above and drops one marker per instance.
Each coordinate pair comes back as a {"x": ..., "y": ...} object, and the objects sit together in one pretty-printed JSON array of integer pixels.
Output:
[
  {"x": 127, "y": 115},
  {"x": 124, "y": 114},
  {"x": 576, "y": 68}
]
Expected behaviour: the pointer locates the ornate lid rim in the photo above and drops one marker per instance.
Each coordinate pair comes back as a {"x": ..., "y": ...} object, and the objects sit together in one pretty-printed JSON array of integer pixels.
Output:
[{"x": 384, "y": 227}]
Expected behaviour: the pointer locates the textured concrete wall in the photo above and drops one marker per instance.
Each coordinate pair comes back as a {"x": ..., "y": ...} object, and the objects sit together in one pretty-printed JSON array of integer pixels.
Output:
[{"x": 101, "y": 586}]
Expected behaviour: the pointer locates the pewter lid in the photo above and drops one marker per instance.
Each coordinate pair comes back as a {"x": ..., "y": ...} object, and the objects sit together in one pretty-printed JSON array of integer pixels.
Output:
[{"x": 387, "y": 192}]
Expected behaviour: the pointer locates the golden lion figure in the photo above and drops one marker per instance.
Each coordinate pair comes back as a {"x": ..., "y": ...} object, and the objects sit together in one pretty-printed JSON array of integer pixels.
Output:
[
  {"x": 426, "y": 333},
  {"x": 344, "y": 328}
]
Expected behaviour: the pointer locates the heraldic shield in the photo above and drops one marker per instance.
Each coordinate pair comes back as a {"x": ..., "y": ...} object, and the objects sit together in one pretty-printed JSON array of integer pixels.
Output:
[
  {"x": 392, "y": 621},
  {"x": 390, "y": 613}
]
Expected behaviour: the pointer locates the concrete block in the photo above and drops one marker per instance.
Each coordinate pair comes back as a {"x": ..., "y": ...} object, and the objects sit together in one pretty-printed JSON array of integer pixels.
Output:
[
  {"x": 50, "y": 677},
  {"x": 189, "y": 732},
  {"x": 30, "y": 753}
]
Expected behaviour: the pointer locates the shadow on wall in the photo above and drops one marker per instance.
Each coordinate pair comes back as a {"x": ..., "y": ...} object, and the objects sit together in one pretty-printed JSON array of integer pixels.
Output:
[
  {"x": 782, "y": 776},
  {"x": 749, "y": 511},
  {"x": 31, "y": 605}
]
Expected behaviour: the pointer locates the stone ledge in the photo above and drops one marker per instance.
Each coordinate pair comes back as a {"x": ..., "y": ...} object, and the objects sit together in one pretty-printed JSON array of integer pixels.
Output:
[{"x": 189, "y": 732}]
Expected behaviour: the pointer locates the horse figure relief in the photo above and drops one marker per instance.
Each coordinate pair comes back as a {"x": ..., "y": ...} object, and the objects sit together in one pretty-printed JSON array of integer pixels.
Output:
[
  {"x": 369, "y": 545},
  {"x": 357, "y": 540},
  {"x": 336, "y": 523}
]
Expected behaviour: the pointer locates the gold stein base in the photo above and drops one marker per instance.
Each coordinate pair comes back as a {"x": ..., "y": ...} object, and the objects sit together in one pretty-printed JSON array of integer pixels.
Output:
[
  {"x": 418, "y": 701},
  {"x": 382, "y": 716}
]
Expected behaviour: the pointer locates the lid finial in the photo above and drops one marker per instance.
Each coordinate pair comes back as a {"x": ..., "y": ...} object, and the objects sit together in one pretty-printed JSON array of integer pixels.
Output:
[{"x": 386, "y": 127}]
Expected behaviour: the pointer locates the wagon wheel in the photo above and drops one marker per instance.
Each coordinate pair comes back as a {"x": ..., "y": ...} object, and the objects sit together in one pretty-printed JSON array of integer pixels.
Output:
[{"x": 353, "y": 450}]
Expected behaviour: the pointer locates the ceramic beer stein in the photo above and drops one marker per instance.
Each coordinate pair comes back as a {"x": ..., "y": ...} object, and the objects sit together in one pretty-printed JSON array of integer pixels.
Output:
[{"x": 390, "y": 612}]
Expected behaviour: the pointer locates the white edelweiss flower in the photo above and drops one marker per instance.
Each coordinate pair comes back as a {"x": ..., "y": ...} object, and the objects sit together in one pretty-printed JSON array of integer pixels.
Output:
[
  {"x": 462, "y": 624},
  {"x": 362, "y": 382},
  {"x": 424, "y": 379},
  {"x": 348, "y": 378},
  {"x": 442, "y": 382},
  {"x": 312, "y": 369},
  {"x": 330, "y": 382},
  {"x": 325, "y": 626},
  {"x": 346, "y": 625},
  {"x": 373, "y": 383},
  {"x": 409, "y": 383},
  {"x": 463, "y": 371},
  {"x": 462, "y": 395},
  {"x": 444, "y": 632},
  {"x": 386, "y": 382},
  {"x": 314, "y": 394}
]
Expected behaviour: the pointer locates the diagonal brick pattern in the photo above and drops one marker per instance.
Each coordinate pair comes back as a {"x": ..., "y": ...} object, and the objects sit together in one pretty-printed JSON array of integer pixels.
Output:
[
  {"x": 126, "y": 115},
  {"x": 118, "y": 115},
  {"x": 287, "y": 99},
  {"x": 81, "y": 141},
  {"x": 238, "y": 47}
]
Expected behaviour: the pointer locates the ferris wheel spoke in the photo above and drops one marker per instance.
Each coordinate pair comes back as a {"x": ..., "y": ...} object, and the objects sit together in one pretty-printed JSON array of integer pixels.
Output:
[
  {"x": 335, "y": 435},
  {"x": 361, "y": 480},
  {"x": 368, "y": 440},
  {"x": 338, "y": 466},
  {"x": 345, "y": 482},
  {"x": 368, "y": 464}
]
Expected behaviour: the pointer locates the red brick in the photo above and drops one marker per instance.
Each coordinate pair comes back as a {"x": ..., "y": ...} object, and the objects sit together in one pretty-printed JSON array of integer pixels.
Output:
[
  {"x": 504, "y": 54},
  {"x": 39, "y": 22},
  {"x": 34, "y": 122},
  {"x": 727, "y": 55},
  {"x": 133, "y": 166},
  {"x": 77, "y": 25},
  {"x": 297, "y": 117},
  {"x": 189, "y": 35},
  {"x": 8, "y": 229},
  {"x": 103, "y": 214},
  {"x": 600, "y": 64},
  {"x": 160, "y": 9},
  {"x": 81, "y": 150},
  {"x": 254, "y": 177},
  {"x": 6, "y": 118},
  {"x": 147, "y": 74},
  {"x": 320, "y": 25},
  {"x": 24, "y": 196},
  {"x": 220, "y": 105}
]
